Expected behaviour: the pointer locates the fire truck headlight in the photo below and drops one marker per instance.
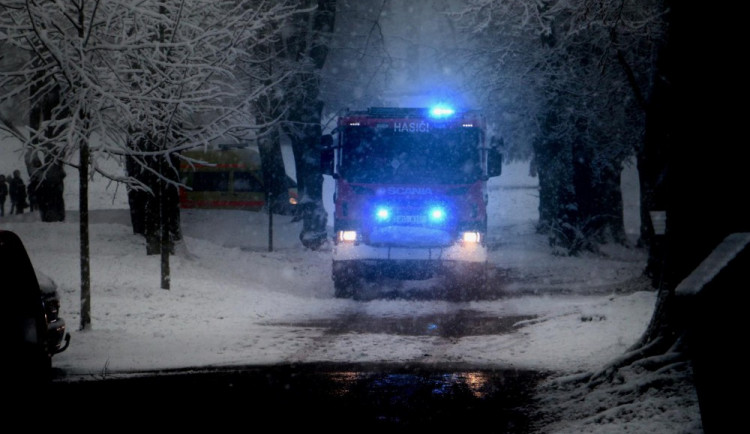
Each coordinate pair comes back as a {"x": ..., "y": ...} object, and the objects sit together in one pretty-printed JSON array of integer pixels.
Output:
[
  {"x": 382, "y": 214},
  {"x": 436, "y": 214},
  {"x": 471, "y": 237},
  {"x": 348, "y": 236}
]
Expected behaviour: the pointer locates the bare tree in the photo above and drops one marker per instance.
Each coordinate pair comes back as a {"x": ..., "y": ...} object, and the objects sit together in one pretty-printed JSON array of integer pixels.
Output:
[
  {"x": 298, "y": 54},
  {"x": 157, "y": 72},
  {"x": 568, "y": 80},
  {"x": 272, "y": 67},
  {"x": 309, "y": 41},
  {"x": 661, "y": 92},
  {"x": 359, "y": 64}
]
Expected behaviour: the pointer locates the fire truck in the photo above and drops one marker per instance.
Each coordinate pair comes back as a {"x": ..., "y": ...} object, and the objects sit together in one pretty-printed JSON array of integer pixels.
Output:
[{"x": 410, "y": 197}]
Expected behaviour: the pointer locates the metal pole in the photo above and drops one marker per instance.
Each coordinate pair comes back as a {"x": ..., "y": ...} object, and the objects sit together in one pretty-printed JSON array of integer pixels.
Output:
[{"x": 270, "y": 221}]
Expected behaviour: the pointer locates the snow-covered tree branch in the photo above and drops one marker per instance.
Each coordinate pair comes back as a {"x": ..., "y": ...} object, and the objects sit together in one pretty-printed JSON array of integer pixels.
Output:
[
  {"x": 565, "y": 81},
  {"x": 138, "y": 80}
]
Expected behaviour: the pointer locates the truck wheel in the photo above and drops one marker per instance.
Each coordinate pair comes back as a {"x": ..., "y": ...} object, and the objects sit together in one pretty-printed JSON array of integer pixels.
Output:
[
  {"x": 345, "y": 280},
  {"x": 470, "y": 282},
  {"x": 480, "y": 281},
  {"x": 342, "y": 289}
]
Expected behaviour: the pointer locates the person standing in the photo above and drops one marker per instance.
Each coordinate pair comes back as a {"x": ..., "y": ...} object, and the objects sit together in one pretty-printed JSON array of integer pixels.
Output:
[
  {"x": 11, "y": 193},
  {"x": 3, "y": 194},
  {"x": 17, "y": 190}
]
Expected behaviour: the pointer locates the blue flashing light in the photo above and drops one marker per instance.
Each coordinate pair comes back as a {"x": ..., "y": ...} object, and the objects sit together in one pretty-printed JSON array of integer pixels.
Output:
[
  {"x": 437, "y": 214},
  {"x": 382, "y": 214},
  {"x": 441, "y": 111}
]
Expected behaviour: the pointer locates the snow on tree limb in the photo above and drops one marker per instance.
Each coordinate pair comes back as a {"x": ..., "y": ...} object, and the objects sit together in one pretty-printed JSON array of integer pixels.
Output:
[{"x": 727, "y": 250}]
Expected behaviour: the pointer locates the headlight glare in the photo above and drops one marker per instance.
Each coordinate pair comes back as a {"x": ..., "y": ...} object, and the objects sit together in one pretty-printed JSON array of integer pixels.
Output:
[
  {"x": 471, "y": 237},
  {"x": 347, "y": 236}
]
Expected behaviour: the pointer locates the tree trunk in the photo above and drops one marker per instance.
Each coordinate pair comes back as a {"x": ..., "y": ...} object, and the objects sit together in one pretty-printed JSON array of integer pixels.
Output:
[
  {"x": 707, "y": 181},
  {"x": 599, "y": 197},
  {"x": 146, "y": 206},
  {"x": 580, "y": 198},
  {"x": 274, "y": 172},
  {"x": 310, "y": 181},
  {"x": 558, "y": 213},
  {"x": 307, "y": 112},
  {"x": 165, "y": 242},
  {"x": 694, "y": 169},
  {"x": 152, "y": 210},
  {"x": 83, "y": 205}
]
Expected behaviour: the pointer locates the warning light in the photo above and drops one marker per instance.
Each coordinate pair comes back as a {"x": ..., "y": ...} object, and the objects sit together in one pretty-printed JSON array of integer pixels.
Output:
[
  {"x": 441, "y": 111},
  {"x": 437, "y": 214},
  {"x": 382, "y": 214}
]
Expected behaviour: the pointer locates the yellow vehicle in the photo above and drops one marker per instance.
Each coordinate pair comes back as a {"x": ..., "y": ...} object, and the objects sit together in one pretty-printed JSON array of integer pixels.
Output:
[{"x": 229, "y": 177}]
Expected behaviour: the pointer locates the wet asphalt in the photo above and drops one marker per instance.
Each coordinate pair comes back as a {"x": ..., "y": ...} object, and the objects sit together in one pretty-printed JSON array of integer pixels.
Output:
[
  {"x": 326, "y": 397},
  {"x": 318, "y": 397}
]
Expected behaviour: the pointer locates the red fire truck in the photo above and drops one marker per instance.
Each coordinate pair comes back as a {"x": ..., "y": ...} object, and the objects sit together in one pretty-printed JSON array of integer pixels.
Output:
[{"x": 410, "y": 197}]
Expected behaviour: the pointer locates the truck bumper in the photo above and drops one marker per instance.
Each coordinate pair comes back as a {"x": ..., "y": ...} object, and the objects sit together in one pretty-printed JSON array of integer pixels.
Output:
[
  {"x": 407, "y": 263},
  {"x": 456, "y": 252}
]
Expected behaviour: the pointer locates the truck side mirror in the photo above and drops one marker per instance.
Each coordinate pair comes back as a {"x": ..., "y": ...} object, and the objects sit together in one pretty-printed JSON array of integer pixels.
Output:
[{"x": 326, "y": 154}]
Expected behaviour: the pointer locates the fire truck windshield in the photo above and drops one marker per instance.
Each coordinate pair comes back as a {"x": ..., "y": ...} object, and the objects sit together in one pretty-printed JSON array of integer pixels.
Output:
[{"x": 442, "y": 156}]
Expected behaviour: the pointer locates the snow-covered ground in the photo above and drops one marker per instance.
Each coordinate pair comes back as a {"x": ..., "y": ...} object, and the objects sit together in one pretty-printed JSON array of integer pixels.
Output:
[{"x": 234, "y": 302}]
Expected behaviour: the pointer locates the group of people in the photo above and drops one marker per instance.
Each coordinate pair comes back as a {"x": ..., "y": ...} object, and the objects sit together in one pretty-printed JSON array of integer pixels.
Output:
[{"x": 14, "y": 187}]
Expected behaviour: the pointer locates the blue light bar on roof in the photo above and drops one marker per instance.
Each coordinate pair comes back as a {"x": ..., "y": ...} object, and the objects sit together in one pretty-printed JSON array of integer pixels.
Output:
[{"x": 441, "y": 111}]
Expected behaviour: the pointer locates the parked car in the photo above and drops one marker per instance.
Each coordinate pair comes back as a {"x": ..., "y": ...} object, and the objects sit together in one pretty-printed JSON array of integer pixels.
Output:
[
  {"x": 57, "y": 337},
  {"x": 35, "y": 330}
]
